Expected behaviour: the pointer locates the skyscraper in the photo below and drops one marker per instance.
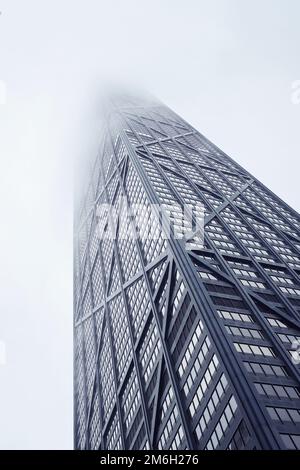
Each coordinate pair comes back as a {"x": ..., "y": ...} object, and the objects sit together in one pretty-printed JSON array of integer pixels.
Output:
[{"x": 182, "y": 343}]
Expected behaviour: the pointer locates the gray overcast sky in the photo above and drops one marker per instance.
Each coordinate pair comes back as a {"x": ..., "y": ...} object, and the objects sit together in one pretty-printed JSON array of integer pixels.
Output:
[{"x": 226, "y": 66}]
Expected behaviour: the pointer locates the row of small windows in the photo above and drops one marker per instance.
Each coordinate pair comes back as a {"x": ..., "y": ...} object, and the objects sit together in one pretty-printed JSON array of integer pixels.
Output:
[
  {"x": 289, "y": 338},
  {"x": 128, "y": 252},
  {"x": 132, "y": 410},
  {"x": 178, "y": 439},
  {"x": 280, "y": 279},
  {"x": 220, "y": 236},
  {"x": 269, "y": 235},
  {"x": 284, "y": 415},
  {"x": 226, "y": 315},
  {"x": 131, "y": 399},
  {"x": 196, "y": 366},
  {"x": 265, "y": 369},
  {"x": 243, "y": 272},
  {"x": 291, "y": 441},
  {"x": 215, "y": 228},
  {"x": 246, "y": 332},
  {"x": 263, "y": 257},
  {"x": 258, "y": 285},
  {"x": 106, "y": 378},
  {"x": 289, "y": 290},
  {"x": 178, "y": 297},
  {"x": 166, "y": 403},
  {"x": 90, "y": 356},
  {"x": 206, "y": 275},
  {"x": 188, "y": 195},
  {"x": 262, "y": 206},
  {"x": 114, "y": 436},
  {"x": 129, "y": 391},
  {"x": 254, "y": 349},
  {"x": 191, "y": 348},
  {"x": 240, "y": 439},
  {"x": 218, "y": 181},
  {"x": 94, "y": 424},
  {"x": 150, "y": 350},
  {"x": 237, "y": 227},
  {"x": 291, "y": 260},
  {"x": 245, "y": 236},
  {"x": 286, "y": 282},
  {"x": 278, "y": 391},
  {"x": 212, "y": 404},
  {"x": 225, "y": 245},
  {"x": 80, "y": 391},
  {"x": 259, "y": 254},
  {"x": 152, "y": 245},
  {"x": 168, "y": 428},
  {"x": 249, "y": 241},
  {"x": 139, "y": 302},
  {"x": 147, "y": 345},
  {"x": 276, "y": 323},
  {"x": 107, "y": 250},
  {"x": 204, "y": 384},
  {"x": 120, "y": 332},
  {"x": 222, "y": 425},
  {"x": 274, "y": 203}
]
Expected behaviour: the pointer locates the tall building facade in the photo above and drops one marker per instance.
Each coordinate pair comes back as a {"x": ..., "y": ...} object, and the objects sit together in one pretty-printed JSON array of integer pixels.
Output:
[{"x": 177, "y": 346}]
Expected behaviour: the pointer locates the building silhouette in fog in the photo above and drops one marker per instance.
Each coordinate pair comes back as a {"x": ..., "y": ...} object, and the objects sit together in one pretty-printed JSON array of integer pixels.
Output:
[{"x": 180, "y": 343}]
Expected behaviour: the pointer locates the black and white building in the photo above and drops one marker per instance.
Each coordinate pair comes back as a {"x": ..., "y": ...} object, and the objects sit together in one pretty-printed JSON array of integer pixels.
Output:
[{"x": 181, "y": 343}]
